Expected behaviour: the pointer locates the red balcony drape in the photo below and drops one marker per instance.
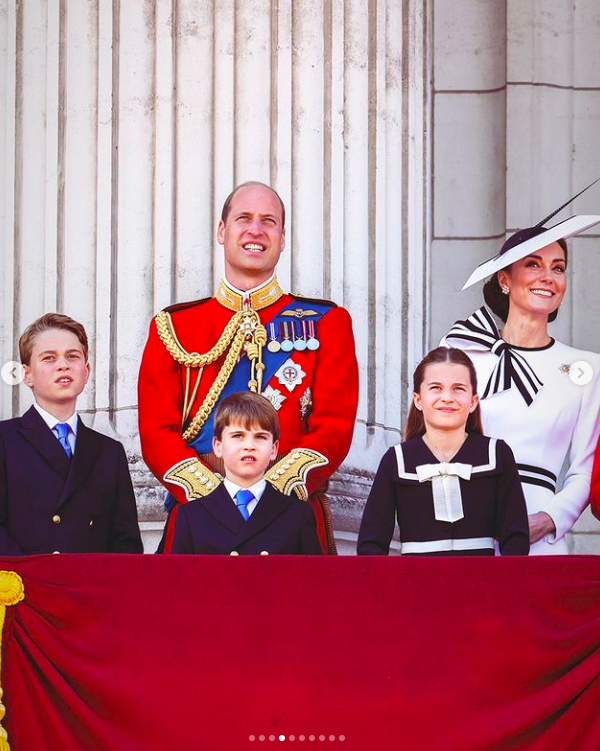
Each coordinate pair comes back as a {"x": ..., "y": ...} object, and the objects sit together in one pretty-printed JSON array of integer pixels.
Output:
[{"x": 141, "y": 653}]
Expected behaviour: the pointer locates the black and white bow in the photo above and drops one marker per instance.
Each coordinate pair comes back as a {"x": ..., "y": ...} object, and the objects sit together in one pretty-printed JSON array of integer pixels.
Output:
[{"x": 479, "y": 332}]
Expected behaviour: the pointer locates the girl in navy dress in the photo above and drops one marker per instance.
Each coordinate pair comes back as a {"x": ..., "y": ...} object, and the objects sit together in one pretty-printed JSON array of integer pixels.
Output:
[{"x": 452, "y": 490}]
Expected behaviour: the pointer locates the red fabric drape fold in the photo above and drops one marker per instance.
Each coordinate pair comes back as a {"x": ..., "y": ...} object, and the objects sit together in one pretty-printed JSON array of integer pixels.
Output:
[{"x": 132, "y": 653}]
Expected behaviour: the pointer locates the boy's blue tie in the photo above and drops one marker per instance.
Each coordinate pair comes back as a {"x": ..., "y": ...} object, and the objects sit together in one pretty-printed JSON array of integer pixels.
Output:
[
  {"x": 63, "y": 430},
  {"x": 242, "y": 499}
]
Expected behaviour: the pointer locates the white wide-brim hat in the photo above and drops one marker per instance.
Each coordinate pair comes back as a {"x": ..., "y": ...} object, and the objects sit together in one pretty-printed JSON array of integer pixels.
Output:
[
  {"x": 524, "y": 242},
  {"x": 575, "y": 225}
]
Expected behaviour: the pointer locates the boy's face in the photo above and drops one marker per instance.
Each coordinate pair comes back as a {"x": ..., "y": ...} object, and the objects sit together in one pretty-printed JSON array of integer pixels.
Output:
[
  {"x": 246, "y": 453},
  {"x": 57, "y": 371}
]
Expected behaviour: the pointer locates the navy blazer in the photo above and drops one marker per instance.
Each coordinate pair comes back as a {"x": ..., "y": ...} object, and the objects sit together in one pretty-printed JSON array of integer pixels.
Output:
[
  {"x": 279, "y": 524},
  {"x": 51, "y": 503}
]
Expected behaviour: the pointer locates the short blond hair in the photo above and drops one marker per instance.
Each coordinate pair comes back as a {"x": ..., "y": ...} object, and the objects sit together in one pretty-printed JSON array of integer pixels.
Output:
[{"x": 47, "y": 322}]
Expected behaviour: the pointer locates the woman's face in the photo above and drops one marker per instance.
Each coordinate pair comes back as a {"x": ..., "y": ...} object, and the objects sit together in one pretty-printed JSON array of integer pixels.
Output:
[
  {"x": 446, "y": 396},
  {"x": 537, "y": 283}
]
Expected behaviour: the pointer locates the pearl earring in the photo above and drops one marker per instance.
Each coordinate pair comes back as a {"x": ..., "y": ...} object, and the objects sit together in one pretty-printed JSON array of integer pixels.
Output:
[{"x": 505, "y": 289}]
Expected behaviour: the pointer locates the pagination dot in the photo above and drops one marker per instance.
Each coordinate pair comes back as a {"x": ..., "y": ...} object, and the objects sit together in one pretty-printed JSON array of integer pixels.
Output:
[
  {"x": 342, "y": 737},
  {"x": 271, "y": 737},
  {"x": 252, "y": 738},
  {"x": 311, "y": 737}
]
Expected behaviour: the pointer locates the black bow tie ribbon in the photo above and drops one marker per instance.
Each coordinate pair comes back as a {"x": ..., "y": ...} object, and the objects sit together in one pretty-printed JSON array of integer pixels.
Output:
[{"x": 479, "y": 332}]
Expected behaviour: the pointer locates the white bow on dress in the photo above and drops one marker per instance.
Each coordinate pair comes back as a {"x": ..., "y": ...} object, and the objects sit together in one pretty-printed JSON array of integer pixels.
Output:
[{"x": 447, "y": 498}]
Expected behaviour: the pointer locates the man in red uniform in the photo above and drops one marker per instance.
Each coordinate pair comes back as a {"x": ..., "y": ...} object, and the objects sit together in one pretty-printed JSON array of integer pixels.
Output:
[{"x": 298, "y": 352}]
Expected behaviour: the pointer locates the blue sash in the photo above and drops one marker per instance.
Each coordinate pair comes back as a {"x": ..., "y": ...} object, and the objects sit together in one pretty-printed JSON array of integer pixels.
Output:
[{"x": 238, "y": 381}]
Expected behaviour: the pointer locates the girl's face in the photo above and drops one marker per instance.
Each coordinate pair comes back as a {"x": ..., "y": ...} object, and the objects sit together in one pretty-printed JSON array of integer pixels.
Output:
[
  {"x": 446, "y": 396},
  {"x": 537, "y": 283}
]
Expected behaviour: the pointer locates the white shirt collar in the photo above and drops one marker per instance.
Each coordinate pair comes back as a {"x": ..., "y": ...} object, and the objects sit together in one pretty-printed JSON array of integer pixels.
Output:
[
  {"x": 52, "y": 421},
  {"x": 257, "y": 489}
]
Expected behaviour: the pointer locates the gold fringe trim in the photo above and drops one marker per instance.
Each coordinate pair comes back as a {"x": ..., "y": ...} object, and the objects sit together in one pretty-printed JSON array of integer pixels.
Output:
[{"x": 12, "y": 591}]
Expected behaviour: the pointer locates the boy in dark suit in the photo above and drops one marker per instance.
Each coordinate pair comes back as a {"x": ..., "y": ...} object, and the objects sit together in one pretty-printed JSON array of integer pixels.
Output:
[
  {"x": 245, "y": 514},
  {"x": 64, "y": 488}
]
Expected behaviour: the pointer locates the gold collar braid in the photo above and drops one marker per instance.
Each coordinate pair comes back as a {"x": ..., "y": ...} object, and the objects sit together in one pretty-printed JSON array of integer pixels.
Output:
[
  {"x": 260, "y": 298},
  {"x": 244, "y": 331}
]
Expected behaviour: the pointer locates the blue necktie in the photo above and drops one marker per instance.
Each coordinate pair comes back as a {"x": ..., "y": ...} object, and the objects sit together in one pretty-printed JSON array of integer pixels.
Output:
[
  {"x": 242, "y": 499},
  {"x": 63, "y": 430}
]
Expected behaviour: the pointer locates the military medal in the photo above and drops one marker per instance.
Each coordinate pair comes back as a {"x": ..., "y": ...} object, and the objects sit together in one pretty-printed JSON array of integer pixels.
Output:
[
  {"x": 273, "y": 345},
  {"x": 290, "y": 375},
  {"x": 287, "y": 345},
  {"x": 274, "y": 396},
  {"x": 299, "y": 340},
  {"x": 312, "y": 343}
]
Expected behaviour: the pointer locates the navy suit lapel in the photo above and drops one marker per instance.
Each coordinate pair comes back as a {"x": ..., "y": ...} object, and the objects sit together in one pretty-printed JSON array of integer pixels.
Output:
[
  {"x": 220, "y": 505},
  {"x": 270, "y": 506},
  {"x": 35, "y": 431},
  {"x": 86, "y": 452}
]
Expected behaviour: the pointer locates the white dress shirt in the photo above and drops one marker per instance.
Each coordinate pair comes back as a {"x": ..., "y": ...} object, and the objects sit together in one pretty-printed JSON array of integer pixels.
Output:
[{"x": 52, "y": 422}]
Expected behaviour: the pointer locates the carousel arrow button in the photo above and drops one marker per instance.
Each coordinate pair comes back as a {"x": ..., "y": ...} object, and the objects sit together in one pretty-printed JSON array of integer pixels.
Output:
[
  {"x": 12, "y": 373},
  {"x": 581, "y": 373}
]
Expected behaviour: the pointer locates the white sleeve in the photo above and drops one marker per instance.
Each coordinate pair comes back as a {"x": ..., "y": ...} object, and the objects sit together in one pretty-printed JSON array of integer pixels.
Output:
[{"x": 567, "y": 505}]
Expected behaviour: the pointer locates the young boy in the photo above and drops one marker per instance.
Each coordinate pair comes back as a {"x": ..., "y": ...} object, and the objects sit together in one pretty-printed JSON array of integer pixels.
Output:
[
  {"x": 245, "y": 514},
  {"x": 64, "y": 488}
]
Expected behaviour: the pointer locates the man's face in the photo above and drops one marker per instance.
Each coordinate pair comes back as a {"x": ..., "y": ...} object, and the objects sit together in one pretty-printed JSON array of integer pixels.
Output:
[
  {"x": 57, "y": 371},
  {"x": 246, "y": 453},
  {"x": 253, "y": 236}
]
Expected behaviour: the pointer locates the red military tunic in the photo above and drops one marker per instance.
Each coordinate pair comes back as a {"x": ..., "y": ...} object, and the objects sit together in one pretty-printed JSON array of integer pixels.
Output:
[{"x": 317, "y": 414}]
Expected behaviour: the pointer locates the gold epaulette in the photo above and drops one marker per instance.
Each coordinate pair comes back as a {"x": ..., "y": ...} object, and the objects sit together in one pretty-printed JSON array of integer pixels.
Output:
[
  {"x": 194, "y": 477},
  {"x": 289, "y": 474}
]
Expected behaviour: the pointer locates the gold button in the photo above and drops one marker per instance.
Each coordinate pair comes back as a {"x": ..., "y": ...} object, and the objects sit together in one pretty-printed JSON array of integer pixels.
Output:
[
  {"x": 56, "y": 519},
  {"x": 234, "y": 552},
  {"x": 263, "y": 552}
]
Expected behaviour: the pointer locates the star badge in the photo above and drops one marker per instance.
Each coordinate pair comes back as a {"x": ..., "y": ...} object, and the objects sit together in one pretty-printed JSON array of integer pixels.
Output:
[{"x": 290, "y": 375}]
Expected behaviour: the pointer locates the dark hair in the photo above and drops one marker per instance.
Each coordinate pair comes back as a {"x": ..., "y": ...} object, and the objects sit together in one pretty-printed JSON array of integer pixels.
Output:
[
  {"x": 248, "y": 409},
  {"x": 415, "y": 422},
  {"x": 497, "y": 301},
  {"x": 251, "y": 183},
  {"x": 46, "y": 323}
]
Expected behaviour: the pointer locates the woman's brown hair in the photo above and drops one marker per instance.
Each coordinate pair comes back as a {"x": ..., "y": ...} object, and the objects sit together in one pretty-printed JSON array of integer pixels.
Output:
[{"x": 415, "y": 422}]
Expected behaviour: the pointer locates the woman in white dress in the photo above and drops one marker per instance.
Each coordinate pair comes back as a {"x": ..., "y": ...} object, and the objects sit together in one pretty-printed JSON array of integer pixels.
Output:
[{"x": 533, "y": 389}]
